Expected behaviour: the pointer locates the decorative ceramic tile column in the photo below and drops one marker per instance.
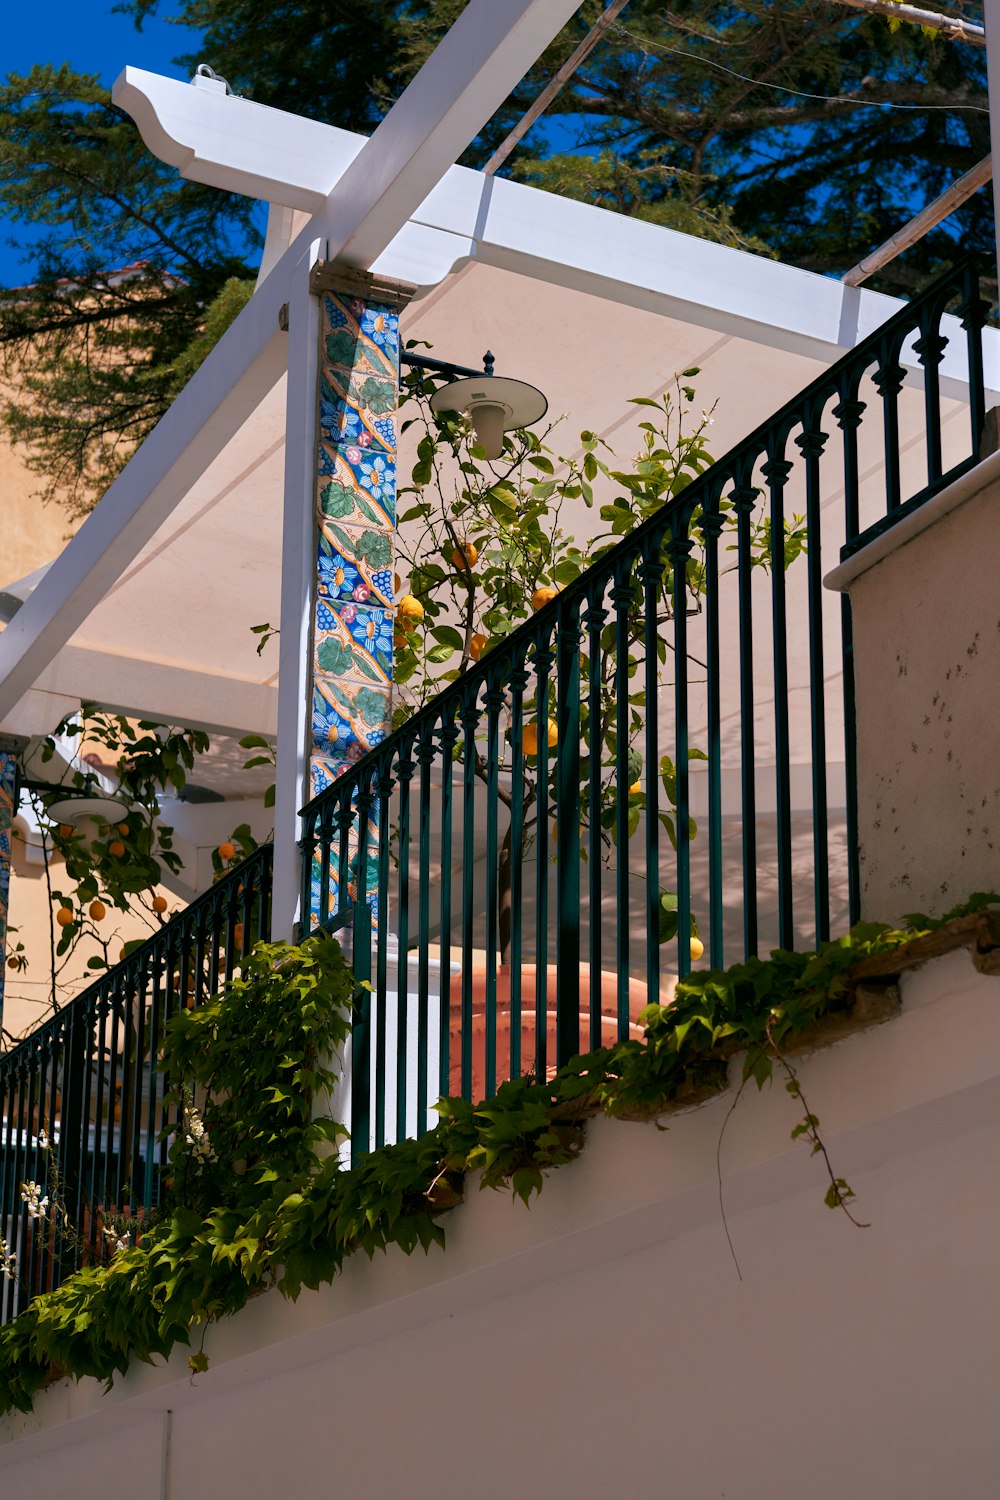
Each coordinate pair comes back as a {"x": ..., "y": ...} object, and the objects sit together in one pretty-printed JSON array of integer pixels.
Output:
[
  {"x": 354, "y": 596},
  {"x": 10, "y": 748}
]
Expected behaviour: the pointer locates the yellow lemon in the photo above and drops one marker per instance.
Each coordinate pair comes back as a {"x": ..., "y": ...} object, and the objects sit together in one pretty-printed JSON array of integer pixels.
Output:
[
  {"x": 697, "y": 949},
  {"x": 465, "y": 557},
  {"x": 477, "y": 645},
  {"x": 409, "y": 609}
]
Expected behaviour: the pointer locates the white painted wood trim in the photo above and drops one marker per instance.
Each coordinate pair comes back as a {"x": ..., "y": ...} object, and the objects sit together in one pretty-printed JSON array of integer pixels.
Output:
[{"x": 298, "y": 569}]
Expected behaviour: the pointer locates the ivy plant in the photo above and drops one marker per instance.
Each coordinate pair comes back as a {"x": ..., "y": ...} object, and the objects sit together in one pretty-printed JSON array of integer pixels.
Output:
[{"x": 259, "y": 1196}]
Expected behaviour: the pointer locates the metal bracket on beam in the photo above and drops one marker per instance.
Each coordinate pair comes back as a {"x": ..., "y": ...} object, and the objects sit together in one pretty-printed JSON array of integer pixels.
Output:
[{"x": 329, "y": 276}]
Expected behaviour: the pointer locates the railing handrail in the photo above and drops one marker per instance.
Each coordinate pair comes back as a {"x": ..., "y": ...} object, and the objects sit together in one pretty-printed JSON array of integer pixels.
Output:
[
  {"x": 135, "y": 964},
  {"x": 736, "y": 464}
]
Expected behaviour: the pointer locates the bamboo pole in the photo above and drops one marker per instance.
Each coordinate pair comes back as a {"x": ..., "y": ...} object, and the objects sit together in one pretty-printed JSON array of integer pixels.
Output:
[
  {"x": 954, "y": 29},
  {"x": 923, "y": 222},
  {"x": 554, "y": 86}
]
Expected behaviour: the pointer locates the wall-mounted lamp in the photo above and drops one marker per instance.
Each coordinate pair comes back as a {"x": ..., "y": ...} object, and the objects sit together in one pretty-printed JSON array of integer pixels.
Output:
[
  {"x": 494, "y": 407},
  {"x": 493, "y": 403},
  {"x": 79, "y": 805}
]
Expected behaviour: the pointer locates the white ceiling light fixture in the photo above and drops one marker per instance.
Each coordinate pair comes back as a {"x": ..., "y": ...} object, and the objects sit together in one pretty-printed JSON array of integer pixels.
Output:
[{"x": 494, "y": 404}]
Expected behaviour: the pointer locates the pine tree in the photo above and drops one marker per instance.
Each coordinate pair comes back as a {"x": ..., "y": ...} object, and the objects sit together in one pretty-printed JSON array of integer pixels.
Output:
[
  {"x": 796, "y": 128},
  {"x": 131, "y": 268}
]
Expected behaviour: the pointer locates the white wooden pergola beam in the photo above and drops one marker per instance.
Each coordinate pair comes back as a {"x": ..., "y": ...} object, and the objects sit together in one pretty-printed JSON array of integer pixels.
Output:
[
  {"x": 485, "y": 54},
  {"x": 232, "y": 143},
  {"x": 163, "y": 691},
  {"x": 465, "y": 80},
  {"x": 520, "y": 229}
]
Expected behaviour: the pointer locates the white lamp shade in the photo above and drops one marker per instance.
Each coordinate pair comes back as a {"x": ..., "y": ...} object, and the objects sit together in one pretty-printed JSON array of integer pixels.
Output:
[
  {"x": 77, "y": 810},
  {"x": 495, "y": 404}
]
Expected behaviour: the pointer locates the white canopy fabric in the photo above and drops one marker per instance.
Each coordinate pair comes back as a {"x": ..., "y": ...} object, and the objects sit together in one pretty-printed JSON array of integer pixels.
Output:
[
  {"x": 172, "y": 637},
  {"x": 149, "y": 609}
]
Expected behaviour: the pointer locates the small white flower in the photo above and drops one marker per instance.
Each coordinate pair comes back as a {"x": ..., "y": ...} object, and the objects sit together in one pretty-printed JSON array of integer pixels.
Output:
[
  {"x": 31, "y": 1194},
  {"x": 43, "y": 1140},
  {"x": 196, "y": 1136}
]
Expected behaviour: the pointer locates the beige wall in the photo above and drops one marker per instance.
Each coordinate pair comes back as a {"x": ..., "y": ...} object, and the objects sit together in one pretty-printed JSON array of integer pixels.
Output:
[
  {"x": 28, "y": 995},
  {"x": 33, "y": 533},
  {"x": 927, "y": 667},
  {"x": 603, "y": 1344}
]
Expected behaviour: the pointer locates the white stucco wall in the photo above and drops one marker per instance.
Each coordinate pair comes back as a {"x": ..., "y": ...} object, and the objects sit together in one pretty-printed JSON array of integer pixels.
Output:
[
  {"x": 926, "y": 606},
  {"x": 604, "y": 1343}
]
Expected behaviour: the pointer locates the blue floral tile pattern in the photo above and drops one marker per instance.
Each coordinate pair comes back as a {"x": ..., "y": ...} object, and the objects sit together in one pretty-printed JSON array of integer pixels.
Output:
[
  {"x": 352, "y": 650},
  {"x": 355, "y": 562},
  {"x": 8, "y": 776}
]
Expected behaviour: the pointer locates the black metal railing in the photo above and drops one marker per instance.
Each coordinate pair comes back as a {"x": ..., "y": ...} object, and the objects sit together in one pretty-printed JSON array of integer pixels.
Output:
[
  {"x": 662, "y": 756},
  {"x": 82, "y": 1098}
]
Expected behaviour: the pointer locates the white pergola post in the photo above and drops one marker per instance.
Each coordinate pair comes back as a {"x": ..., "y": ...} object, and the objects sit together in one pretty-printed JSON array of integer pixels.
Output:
[
  {"x": 11, "y": 747},
  {"x": 475, "y": 66},
  {"x": 298, "y": 563}
]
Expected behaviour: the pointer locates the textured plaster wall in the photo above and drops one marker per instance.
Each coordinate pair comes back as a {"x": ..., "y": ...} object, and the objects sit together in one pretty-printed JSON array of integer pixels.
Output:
[
  {"x": 927, "y": 644},
  {"x": 33, "y": 533},
  {"x": 604, "y": 1343}
]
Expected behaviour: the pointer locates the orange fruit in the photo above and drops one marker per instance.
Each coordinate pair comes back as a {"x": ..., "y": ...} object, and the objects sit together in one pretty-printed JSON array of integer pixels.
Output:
[
  {"x": 477, "y": 645},
  {"x": 465, "y": 557},
  {"x": 159, "y": 903},
  {"x": 121, "y": 954},
  {"x": 12, "y": 962},
  {"x": 542, "y": 596},
  {"x": 116, "y": 848},
  {"x": 124, "y": 830},
  {"x": 227, "y": 851},
  {"x": 697, "y": 949},
  {"x": 399, "y": 639},
  {"x": 410, "y": 609},
  {"x": 66, "y": 830},
  {"x": 529, "y": 738},
  {"x": 64, "y": 916},
  {"x": 238, "y": 935},
  {"x": 98, "y": 910}
]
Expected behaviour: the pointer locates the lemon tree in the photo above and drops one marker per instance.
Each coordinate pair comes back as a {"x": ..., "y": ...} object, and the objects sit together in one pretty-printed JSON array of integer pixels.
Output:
[{"x": 484, "y": 544}]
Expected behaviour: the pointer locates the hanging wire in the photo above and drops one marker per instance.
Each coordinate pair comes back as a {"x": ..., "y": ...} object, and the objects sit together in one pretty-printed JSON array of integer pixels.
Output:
[{"x": 647, "y": 46}]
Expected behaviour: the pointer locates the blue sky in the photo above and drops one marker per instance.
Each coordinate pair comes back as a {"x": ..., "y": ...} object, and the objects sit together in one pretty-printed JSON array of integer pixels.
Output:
[{"x": 92, "y": 39}]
